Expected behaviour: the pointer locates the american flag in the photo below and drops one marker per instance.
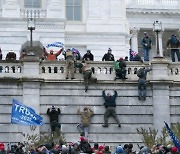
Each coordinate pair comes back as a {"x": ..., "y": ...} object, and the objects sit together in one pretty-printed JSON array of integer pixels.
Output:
[
  {"x": 74, "y": 50},
  {"x": 173, "y": 137},
  {"x": 132, "y": 54}
]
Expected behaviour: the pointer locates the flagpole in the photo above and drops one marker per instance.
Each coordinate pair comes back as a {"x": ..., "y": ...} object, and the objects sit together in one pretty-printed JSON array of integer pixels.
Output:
[{"x": 10, "y": 133}]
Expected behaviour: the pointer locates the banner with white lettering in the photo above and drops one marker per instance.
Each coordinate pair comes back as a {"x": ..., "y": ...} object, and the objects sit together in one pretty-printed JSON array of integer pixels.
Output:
[
  {"x": 24, "y": 115},
  {"x": 55, "y": 44}
]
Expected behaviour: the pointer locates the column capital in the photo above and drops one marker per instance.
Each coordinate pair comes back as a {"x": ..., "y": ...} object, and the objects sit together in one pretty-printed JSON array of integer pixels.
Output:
[{"x": 134, "y": 31}]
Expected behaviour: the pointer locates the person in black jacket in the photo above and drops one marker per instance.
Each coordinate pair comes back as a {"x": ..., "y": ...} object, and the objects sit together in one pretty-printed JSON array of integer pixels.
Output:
[
  {"x": 108, "y": 56},
  {"x": 142, "y": 73},
  {"x": 54, "y": 120},
  {"x": 110, "y": 105},
  {"x": 88, "y": 56}
]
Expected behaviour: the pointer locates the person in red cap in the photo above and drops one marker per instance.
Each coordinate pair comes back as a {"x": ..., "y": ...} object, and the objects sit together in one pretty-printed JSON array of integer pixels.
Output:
[
  {"x": 2, "y": 148},
  {"x": 121, "y": 72},
  {"x": 84, "y": 146},
  {"x": 174, "y": 150}
]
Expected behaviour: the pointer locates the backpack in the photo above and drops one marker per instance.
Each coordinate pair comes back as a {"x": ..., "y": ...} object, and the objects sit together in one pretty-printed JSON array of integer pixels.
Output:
[
  {"x": 116, "y": 65},
  {"x": 85, "y": 147},
  {"x": 140, "y": 72}
]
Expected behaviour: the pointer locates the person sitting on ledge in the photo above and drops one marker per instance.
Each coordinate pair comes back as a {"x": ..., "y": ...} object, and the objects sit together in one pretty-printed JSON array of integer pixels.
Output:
[
  {"x": 11, "y": 56},
  {"x": 121, "y": 70},
  {"x": 108, "y": 56},
  {"x": 51, "y": 56}
]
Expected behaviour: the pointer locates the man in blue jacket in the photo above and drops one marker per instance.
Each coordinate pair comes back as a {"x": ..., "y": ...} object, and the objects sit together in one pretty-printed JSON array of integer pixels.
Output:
[{"x": 110, "y": 105}]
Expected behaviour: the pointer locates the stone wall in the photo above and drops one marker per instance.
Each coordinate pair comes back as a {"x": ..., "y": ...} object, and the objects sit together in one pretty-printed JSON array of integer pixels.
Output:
[{"x": 41, "y": 89}]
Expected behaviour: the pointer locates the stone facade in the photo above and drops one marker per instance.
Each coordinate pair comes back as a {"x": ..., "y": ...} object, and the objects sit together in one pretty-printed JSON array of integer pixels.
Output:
[{"x": 41, "y": 85}]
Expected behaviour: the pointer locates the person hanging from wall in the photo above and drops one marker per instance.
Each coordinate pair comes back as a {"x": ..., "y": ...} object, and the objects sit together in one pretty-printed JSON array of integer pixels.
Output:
[
  {"x": 87, "y": 72},
  {"x": 86, "y": 115},
  {"x": 146, "y": 42},
  {"x": 110, "y": 105},
  {"x": 108, "y": 56},
  {"x": 121, "y": 72},
  {"x": 51, "y": 56},
  {"x": 69, "y": 64},
  {"x": 173, "y": 43},
  {"x": 54, "y": 113},
  {"x": 142, "y": 73}
]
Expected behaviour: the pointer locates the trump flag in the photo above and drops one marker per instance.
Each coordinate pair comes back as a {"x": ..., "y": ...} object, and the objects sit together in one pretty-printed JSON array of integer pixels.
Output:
[
  {"x": 24, "y": 115},
  {"x": 173, "y": 137}
]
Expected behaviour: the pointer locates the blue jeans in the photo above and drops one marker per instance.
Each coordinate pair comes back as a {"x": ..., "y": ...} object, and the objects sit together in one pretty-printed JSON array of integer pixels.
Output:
[
  {"x": 81, "y": 128},
  {"x": 173, "y": 51},
  {"x": 146, "y": 54},
  {"x": 142, "y": 88}
]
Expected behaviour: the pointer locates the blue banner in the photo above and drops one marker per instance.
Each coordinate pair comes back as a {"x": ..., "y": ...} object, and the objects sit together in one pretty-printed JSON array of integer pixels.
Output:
[
  {"x": 24, "y": 115},
  {"x": 173, "y": 137},
  {"x": 55, "y": 44}
]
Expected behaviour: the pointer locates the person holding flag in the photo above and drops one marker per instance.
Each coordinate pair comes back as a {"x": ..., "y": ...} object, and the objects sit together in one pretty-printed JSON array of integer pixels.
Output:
[{"x": 51, "y": 56}]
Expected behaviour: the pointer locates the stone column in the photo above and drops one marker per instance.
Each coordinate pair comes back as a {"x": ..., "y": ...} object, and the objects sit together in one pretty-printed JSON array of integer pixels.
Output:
[
  {"x": 160, "y": 44},
  {"x": 56, "y": 8},
  {"x": 11, "y": 8},
  {"x": 160, "y": 84},
  {"x": 134, "y": 39},
  {"x": 31, "y": 88}
]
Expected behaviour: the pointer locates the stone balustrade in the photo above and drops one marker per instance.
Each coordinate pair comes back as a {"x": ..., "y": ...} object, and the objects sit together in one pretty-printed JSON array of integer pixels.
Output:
[
  {"x": 10, "y": 67},
  {"x": 145, "y": 3},
  {"x": 102, "y": 70},
  {"x": 33, "y": 13}
]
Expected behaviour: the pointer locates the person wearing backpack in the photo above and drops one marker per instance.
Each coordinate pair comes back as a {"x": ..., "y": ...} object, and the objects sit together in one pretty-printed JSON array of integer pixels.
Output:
[
  {"x": 120, "y": 68},
  {"x": 173, "y": 43},
  {"x": 142, "y": 73}
]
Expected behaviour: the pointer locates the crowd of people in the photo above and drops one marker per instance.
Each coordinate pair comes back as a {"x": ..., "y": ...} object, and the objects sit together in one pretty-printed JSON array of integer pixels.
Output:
[
  {"x": 172, "y": 47},
  {"x": 83, "y": 146}
]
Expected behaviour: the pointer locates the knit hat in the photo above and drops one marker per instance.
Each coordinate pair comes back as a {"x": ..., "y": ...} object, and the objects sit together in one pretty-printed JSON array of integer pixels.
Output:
[
  {"x": 174, "y": 149},
  {"x": 120, "y": 59},
  {"x": 2, "y": 146},
  {"x": 109, "y": 49},
  {"x": 119, "y": 149},
  {"x": 101, "y": 148},
  {"x": 82, "y": 138}
]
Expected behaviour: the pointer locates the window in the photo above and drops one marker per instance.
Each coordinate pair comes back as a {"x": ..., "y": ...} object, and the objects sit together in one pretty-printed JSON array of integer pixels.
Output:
[
  {"x": 32, "y": 3},
  {"x": 73, "y": 10}
]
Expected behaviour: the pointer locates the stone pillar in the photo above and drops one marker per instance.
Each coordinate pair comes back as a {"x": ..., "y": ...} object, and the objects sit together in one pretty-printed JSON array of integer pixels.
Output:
[
  {"x": 160, "y": 44},
  {"x": 11, "y": 8},
  {"x": 134, "y": 39},
  {"x": 160, "y": 84},
  {"x": 55, "y": 8},
  {"x": 31, "y": 88}
]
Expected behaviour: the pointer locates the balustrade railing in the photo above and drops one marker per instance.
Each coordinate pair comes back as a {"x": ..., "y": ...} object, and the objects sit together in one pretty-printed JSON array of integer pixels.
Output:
[
  {"x": 33, "y": 13},
  {"x": 10, "y": 68},
  {"x": 150, "y": 3},
  {"x": 102, "y": 70}
]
